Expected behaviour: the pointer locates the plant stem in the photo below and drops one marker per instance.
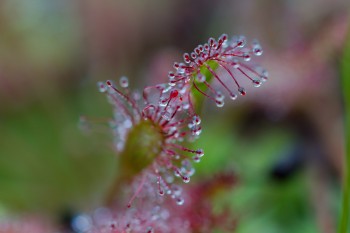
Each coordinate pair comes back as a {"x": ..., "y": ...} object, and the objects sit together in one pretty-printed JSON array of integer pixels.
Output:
[{"x": 344, "y": 215}]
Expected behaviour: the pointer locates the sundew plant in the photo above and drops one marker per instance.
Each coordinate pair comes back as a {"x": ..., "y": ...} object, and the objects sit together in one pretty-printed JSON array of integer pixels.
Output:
[
  {"x": 153, "y": 132},
  {"x": 134, "y": 116}
]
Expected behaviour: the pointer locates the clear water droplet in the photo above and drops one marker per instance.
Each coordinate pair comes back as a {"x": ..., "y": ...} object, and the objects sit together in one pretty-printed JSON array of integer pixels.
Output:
[
  {"x": 233, "y": 96},
  {"x": 257, "y": 49},
  {"x": 256, "y": 82},
  {"x": 242, "y": 91},
  {"x": 82, "y": 223},
  {"x": 181, "y": 68},
  {"x": 246, "y": 56},
  {"x": 219, "y": 96},
  {"x": 124, "y": 82},
  {"x": 235, "y": 64},
  {"x": 177, "y": 173},
  {"x": 220, "y": 103},
  {"x": 180, "y": 201},
  {"x": 150, "y": 230},
  {"x": 186, "y": 179},
  {"x": 200, "y": 78},
  {"x": 163, "y": 101},
  {"x": 171, "y": 75},
  {"x": 101, "y": 87},
  {"x": 176, "y": 190},
  {"x": 196, "y": 158},
  {"x": 172, "y": 83},
  {"x": 185, "y": 105},
  {"x": 186, "y": 57},
  {"x": 264, "y": 75},
  {"x": 196, "y": 130},
  {"x": 241, "y": 41},
  {"x": 193, "y": 55},
  {"x": 169, "y": 178},
  {"x": 211, "y": 41},
  {"x": 200, "y": 152},
  {"x": 196, "y": 120}
]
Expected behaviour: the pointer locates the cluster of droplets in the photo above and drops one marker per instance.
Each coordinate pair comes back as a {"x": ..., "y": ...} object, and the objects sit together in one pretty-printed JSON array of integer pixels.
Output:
[
  {"x": 154, "y": 214},
  {"x": 228, "y": 55},
  {"x": 126, "y": 112},
  {"x": 169, "y": 111},
  {"x": 133, "y": 220}
]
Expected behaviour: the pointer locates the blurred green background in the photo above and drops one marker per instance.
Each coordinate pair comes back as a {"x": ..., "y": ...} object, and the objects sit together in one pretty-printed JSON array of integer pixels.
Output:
[{"x": 284, "y": 140}]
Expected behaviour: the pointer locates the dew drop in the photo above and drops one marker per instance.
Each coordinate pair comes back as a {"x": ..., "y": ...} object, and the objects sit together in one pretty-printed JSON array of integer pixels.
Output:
[
  {"x": 172, "y": 83},
  {"x": 82, "y": 223},
  {"x": 242, "y": 91},
  {"x": 196, "y": 159},
  {"x": 161, "y": 192},
  {"x": 200, "y": 78},
  {"x": 171, "y": 75},
  {"x": 197, "y": 51},
  {"x": 187, "y": 58},
  {"x": 109, "y": 83},
  {"x": 196, "y": 130},
  {"x": 186, "y": 179},
  {"x": 163, "y": 101},
  {"x": 256, "y": 82},
  {"x": 193, "y": 55},
  {"x": 220, "y": 103},
  {"x": 196, "y": 120},
  {"x": 235, "y": 64},
  {"x": 181, "y": 68},
  {"x": 264, "y": 75},
  {"x": 233, "y": 96},
  {"x": 185, "y": 105},
  {"x": 200, "y": 152},
  {"x": 168, "y": 191},
  {"x": 169, "y": 178},
  {"x": 201, "y": 48},
  {"x": 211, "y": 41},
  {"x": 219, "y": 96},
  {"x": 246, "y": 56},
  {"x": 257, "y": 49},
  {"x": 187, "y": 168},
  {"x": 124, "y": 82},
  {"x": 176, "y": 190},
  {"x": 180, "y": 201},
  {"x": 241, "y": 41},
  {"x": 149, "y": 230},
  {"x": 223, "y": 37},
  {"x": 136, "y": 95},
  {"x": 177, "y": 173},
  {"x": 101, "y": 87}
]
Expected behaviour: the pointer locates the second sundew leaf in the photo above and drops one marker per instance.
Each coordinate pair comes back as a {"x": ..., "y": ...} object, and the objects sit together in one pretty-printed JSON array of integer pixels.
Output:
[
  {"x": 200, "y": 67},
  {"x": 198, "y": 98}
]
